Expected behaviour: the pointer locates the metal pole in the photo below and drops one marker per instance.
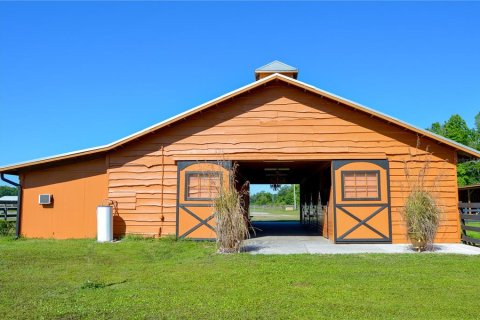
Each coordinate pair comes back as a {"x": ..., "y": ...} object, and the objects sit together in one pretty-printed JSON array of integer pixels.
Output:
[{"x": 294, "y": 199}]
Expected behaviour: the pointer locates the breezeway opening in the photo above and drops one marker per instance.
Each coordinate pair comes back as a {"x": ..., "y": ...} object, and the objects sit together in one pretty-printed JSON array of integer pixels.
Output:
[
  {"x": 281, "y": 203},
  {"x": 303, "y": 215}
]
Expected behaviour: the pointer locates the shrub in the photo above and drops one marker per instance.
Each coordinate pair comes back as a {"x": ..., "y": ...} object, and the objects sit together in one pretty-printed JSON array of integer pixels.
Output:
[{"x": 7, "y": 228}]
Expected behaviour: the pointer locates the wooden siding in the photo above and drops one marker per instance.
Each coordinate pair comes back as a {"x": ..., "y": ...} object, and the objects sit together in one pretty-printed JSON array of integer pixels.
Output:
[
  {"x": 77, "y": 190},
  {"x": 274, "y": 122}
]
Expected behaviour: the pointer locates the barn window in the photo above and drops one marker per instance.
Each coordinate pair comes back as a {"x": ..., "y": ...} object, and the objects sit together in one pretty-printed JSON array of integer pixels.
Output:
[
  {"x": 361, "y": 185},
  {"x": 202, "y": 185}
]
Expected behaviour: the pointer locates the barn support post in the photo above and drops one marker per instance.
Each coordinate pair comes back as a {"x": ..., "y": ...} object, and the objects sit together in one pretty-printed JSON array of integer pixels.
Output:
[
  {"x": 469, "y": 199},
  {"x": 19, "y": 202}
]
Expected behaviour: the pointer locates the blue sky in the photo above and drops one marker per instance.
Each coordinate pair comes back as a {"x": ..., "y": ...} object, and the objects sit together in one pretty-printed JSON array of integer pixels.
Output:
[{"x": 78, "y": 75}]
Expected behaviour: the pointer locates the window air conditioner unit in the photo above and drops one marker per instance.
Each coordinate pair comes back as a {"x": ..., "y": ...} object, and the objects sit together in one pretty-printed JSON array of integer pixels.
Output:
[{"x": 44, "y": 199}]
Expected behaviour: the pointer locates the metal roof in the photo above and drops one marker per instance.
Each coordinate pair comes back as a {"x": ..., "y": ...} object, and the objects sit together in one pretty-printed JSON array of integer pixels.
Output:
[
  {"x": 276, "y": 66},
  {"x": 9, "y": 198},
  {"x": 13, "y": 168}
]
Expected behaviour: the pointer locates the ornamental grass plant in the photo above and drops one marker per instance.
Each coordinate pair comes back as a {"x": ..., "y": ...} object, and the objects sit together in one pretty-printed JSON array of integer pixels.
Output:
[
  {"x": 230, "y": 212},
  {"x": 422, "y": 210},
  {"x": 423, "y": 217}
]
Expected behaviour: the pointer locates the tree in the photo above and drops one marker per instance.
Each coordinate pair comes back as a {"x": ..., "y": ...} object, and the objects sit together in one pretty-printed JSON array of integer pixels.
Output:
[
  {"x": 476, "y": 139},
  {"x": 7, "y": 191},
  {"x": 456, "y": 129},
  {"x": 261, "y": 198},
  {"x": 437, "y": 128},
  {"x": 468, "y": 173},
  {"x": 284, "y": 196}
]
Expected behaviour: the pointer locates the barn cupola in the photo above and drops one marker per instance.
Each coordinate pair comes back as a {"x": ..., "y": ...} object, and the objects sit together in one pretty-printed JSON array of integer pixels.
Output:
[{"x": 276, "y": 67}]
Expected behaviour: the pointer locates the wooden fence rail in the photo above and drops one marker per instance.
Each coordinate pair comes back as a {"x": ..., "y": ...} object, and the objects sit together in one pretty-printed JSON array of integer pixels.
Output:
[
  {"x": 8, "y": 211},
  {"x": 470, "y": 221}
]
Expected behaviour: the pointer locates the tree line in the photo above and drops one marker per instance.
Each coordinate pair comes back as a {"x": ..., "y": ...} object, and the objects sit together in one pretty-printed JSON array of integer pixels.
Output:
[
  {"x": 284, "y": 196},
  {"x": 456, "y": 128},
  {"x": 7, "y": 191}
]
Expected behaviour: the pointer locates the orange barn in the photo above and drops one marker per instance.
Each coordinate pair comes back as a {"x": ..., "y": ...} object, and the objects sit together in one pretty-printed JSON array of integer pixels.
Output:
[{"x": 346, "y": 157}]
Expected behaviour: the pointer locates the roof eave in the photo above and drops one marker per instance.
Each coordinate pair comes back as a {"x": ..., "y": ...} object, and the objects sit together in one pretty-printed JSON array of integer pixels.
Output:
[
  {"x": 13, "y": 168},
  {"x": 457, "y": 146},
  {"x": 276, "y": 71},
  {"x": 469, "y": 187}
]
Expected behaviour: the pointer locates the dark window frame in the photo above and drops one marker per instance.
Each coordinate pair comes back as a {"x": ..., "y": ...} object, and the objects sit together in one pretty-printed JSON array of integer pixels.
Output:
[
  {"x": 379, "y": 189},
  {"x": 204, "y": 173}
]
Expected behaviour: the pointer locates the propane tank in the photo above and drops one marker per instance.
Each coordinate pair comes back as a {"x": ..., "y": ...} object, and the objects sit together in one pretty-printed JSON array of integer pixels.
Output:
[{"x": 104, "y": 224}]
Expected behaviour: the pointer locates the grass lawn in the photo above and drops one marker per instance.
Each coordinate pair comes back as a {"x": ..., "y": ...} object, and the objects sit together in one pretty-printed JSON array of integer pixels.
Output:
[
  {"x": 275, "y": 211},
  {"x": 273, "y": 214},
  {"x": 473, "y": 234},
  {"x": 154, "y": 279}
]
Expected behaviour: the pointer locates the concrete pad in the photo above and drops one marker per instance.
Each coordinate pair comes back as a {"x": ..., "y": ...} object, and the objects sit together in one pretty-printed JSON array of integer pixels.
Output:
[
  {"x": 320, "y": 245},
  {"x": 294, "y": 238}
]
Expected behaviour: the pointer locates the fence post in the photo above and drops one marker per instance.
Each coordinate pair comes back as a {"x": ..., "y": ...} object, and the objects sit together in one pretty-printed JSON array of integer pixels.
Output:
[{"x": 469, "y": 212}]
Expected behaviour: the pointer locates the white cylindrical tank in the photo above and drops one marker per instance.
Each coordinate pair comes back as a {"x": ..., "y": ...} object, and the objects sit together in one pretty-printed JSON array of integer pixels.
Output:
[{"x": 104, "y": 224}]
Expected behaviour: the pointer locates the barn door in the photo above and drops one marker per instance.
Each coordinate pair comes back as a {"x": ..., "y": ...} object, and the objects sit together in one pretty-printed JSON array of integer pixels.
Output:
[
  {"x": 198, "y": 184},
  {"x": 361, "y": 201}
]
